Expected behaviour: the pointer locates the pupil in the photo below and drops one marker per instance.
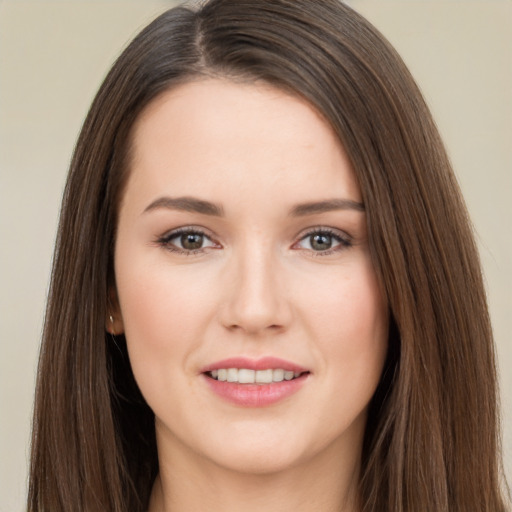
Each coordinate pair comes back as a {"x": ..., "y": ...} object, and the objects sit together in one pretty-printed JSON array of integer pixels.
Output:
[
  {"x": 191, "y": 241},
  {"x": 321, "y": 242}
]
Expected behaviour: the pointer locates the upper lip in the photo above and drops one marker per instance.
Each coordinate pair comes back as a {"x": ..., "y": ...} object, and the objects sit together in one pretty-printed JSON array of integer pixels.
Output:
[{"x": 263, "y": 363}]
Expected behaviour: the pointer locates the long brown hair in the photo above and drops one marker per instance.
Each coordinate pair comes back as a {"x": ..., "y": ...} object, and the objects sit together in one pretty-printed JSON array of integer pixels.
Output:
[{"x": 431, "y": 441}]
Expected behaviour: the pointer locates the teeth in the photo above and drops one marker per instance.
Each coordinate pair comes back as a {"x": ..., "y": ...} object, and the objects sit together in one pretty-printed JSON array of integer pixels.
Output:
[
  {"x": 278, "y": 375},
  {"x": 264, "y": 376},
  {"x": 232, "y": 375},
  {"x": 245, "y": 376}
]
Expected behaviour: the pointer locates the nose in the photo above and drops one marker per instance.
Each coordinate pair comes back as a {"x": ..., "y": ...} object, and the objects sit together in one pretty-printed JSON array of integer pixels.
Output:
[{"x": 256, "y": 300}]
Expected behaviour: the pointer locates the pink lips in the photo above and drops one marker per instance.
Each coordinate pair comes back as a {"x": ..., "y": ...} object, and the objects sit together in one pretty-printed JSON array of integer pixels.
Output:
[
  {"x": 255, "y": 395},
  {"x": 254, "y": 364}
]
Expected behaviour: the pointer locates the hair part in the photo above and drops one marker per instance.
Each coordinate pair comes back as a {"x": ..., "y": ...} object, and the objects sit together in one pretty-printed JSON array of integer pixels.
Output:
[{"x": 94, "y": 443}]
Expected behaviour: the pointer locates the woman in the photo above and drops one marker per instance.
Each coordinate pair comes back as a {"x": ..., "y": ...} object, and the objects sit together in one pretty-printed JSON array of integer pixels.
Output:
[{"x": 265, "y": 290}]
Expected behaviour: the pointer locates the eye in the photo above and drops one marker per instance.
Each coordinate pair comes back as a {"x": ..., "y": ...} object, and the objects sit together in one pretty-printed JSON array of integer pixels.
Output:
[
  {"x": 186, "y": 241},
  {"x": 324, "y": 241}
]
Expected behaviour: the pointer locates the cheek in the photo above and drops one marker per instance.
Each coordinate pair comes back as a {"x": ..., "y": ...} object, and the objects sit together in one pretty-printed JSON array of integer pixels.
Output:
[
  {"x": 164, "y": 311},
  {"x": 349, "y": 306},
  {"x": 349, "y": 320},
  {"x": 159, "y": 299},
  {"x": 164, "y": 314}
]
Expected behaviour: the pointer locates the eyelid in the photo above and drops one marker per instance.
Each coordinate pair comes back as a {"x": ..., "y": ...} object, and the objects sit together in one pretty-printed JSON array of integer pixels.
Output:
[
  {"x": 345, "y": 240},
  {"x": 164, "y": 239}
]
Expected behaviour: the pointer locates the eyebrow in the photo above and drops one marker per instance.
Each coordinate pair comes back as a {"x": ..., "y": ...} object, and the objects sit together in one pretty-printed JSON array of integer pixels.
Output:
[
  {"x": 329, "y": 205},
  {"x": 187, "y": 204},
  {"x": 195, "y": 205}
]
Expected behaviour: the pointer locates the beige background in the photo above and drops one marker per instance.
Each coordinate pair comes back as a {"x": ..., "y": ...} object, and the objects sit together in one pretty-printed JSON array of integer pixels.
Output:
[{"x": 52, "y": 58}]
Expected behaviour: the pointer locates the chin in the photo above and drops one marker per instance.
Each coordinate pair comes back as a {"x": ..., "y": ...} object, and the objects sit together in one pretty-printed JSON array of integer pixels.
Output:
[
  {"x": 255, "y": 460},
  {"x": 267, "y": 450}
]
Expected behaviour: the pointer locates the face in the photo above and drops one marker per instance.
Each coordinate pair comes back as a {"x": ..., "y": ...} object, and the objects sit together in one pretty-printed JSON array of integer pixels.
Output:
[{"x": 254, "y": 323}]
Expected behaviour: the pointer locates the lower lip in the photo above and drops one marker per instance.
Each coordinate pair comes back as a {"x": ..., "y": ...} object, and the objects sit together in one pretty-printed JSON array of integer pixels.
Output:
[{"x": 255, "y": 395}]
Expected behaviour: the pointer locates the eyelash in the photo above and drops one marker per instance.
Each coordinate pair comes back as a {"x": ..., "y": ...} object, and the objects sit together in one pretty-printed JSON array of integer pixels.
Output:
[
  {"x": 344, "y": 241},
  {"x": 164, "y": 241}
]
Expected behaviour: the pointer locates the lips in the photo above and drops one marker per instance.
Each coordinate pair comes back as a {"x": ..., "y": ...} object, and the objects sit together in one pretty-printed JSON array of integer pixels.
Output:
[
  {"x": 254, "y": 383},
  {"x": 264, "y": 363}
]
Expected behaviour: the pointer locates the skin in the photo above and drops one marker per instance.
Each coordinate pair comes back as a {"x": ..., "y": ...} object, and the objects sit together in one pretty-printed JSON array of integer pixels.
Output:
[{"x": 257, "y": 286}]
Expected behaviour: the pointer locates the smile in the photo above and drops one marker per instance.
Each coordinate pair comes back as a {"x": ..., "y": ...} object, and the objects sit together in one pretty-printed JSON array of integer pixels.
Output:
[
  {"x": 246, "y": 382},
  {"x": 247, "y": 376}
]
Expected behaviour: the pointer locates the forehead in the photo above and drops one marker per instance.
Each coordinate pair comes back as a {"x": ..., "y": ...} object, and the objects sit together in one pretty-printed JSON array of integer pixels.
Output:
[{"x": 211, "y": 136}]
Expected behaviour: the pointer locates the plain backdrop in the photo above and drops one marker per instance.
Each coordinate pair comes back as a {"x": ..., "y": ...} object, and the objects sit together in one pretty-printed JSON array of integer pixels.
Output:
[{"x": 53, "y": 55}]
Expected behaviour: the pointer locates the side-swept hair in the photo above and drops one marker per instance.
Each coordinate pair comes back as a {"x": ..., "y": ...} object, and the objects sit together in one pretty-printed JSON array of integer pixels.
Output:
[{"x": 431, "y": 442}]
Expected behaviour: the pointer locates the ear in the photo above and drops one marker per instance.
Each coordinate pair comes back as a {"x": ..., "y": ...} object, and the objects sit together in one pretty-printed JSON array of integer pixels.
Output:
[{"x": 114, "y": 320}]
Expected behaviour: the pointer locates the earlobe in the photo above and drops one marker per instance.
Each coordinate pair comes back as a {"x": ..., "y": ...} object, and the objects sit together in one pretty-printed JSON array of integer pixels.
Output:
[
  {"x": 114, "y": 324},
  {"x": 114, "y": 321}
]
